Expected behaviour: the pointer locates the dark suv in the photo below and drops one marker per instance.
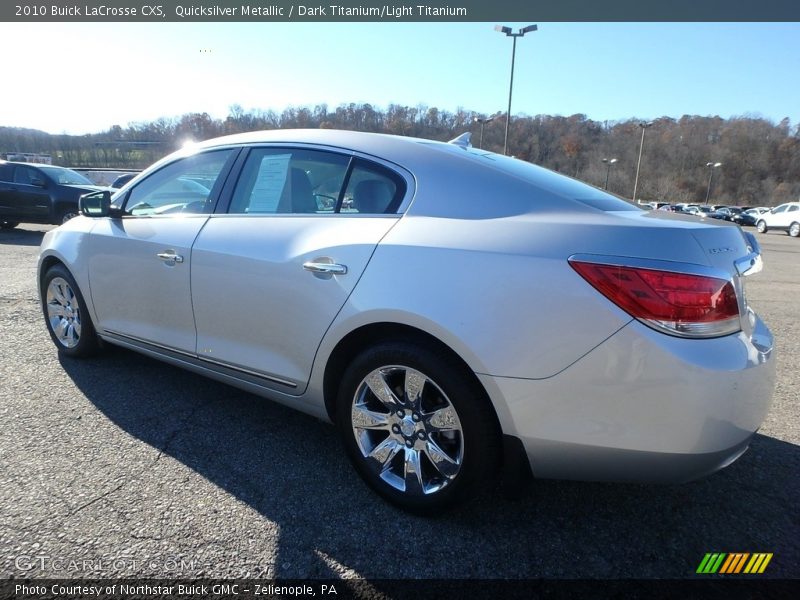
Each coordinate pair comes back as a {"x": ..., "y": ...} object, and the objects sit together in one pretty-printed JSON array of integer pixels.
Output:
[{"x": 34, "y": 193}]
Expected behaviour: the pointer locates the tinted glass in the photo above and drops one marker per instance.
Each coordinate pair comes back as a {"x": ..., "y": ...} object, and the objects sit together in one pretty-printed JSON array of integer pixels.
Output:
[
  {"x": 66, "y": 176},
  {"x": 372, "y": 189},
  {"x": 291, "y": 180},
  {"x": 25, "y": 175}
]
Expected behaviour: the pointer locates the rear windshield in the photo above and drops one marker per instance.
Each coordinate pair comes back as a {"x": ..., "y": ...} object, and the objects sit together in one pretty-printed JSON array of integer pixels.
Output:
[{"x": 544, "y": 178}]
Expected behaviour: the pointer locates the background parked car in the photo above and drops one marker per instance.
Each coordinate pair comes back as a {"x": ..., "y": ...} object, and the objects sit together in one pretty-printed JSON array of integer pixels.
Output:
[
  {"x": 746, "y": 218},
  {"x": 758, "y": 210},
  {"x": 785, "y": 217},
  {"x": 725, "y": 213},
  {"x": 122, "y": 180},
  {"x": 700, "y": 211},
  {"x": 34, "y": 193}
]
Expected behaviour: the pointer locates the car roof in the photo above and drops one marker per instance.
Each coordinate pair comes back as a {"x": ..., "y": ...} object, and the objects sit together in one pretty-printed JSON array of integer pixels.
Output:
[
  {"x": 409, "y": 152},
  {"x": 438, "y": 168},
  {"x": 29, "y": 164}
]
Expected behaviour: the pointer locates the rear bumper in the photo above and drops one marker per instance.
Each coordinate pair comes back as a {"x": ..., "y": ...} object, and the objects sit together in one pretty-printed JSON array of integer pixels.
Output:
[{"x": 643, "y": 406}]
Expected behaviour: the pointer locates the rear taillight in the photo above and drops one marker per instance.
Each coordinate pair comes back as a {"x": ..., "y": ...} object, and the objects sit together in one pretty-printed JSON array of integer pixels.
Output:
[{"x": 677, "y": 303}]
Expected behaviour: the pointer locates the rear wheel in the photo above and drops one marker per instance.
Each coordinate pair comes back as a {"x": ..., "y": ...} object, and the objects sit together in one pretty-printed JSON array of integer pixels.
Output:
[
  {"x": 761, "y": 226},
  {"x": 416, "y": 426},
  {"x": 794, "y": 229},
  {"x": 65, "y": 314}
]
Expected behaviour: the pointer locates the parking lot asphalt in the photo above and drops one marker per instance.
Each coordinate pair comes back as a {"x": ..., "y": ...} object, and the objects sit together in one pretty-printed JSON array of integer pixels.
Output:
[{"x": 121, "y": 466}]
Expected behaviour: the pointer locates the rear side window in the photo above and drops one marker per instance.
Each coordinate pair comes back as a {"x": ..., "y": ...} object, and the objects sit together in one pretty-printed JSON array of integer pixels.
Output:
[
  {"x": 303, "y": 181},
  {"x": 25, "y": 175},
  {"x": 6, "y": 172},
  {"x": 372, "y": 189},
  {"x": 289, "y": 180}
]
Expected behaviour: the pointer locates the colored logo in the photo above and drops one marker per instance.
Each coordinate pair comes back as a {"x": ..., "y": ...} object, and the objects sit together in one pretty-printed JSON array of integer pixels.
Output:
[{"x": 734, "y": 562}]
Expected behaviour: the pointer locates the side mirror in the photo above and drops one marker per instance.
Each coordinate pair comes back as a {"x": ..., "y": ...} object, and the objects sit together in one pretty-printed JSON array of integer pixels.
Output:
[
  {"x": 95, "y": 204},
  {"x": 38, "y": 182}
]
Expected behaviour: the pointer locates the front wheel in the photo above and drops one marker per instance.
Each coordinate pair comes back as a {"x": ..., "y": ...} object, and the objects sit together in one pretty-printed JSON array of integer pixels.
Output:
[
  {"x": 69, "y": 213},
  {"x": 761, "y": 226},
  {"x": 417, "y": 427},
  {"x": 794, "y": 229},
  {"x": 65, "y": 314}
]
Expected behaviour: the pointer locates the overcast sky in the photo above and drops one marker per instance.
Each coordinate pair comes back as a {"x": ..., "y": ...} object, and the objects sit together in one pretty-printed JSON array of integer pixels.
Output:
[{"x": 85, "y": 77}]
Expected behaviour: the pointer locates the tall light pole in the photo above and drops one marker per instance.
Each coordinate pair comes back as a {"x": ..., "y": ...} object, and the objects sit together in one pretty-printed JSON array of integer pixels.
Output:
[
  {"x": 508, "y": 31},
  {"x": 482, "y": 122},
  {"x": 711, "y": 166},
  {"x": 644, "y": 125},
  {"x": 609, "y": 162}
]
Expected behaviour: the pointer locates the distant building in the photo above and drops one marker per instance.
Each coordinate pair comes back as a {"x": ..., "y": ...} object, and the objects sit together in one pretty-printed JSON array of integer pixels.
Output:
[{"x": 31, "y": 157}]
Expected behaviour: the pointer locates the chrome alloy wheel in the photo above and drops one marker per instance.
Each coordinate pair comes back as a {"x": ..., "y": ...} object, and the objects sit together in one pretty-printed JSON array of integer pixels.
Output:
[
  {"x": 63, "y": 312},
  {"x": 407, "y": 430}
]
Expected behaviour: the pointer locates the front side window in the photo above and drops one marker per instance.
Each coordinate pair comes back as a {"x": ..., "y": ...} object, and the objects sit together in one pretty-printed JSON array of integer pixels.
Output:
[
  {"x": 793, "y": 208},
  {"x": 780, "y": 209},
  {"x": 179, "y": 188}
]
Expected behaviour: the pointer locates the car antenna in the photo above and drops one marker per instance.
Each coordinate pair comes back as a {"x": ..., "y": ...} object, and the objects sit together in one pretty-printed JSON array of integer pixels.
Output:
[{"x": 462, "y": 140}]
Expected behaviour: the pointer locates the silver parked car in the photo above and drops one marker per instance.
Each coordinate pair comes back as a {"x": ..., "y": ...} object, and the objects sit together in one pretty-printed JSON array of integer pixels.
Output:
[{"x": 453, "y": 311}]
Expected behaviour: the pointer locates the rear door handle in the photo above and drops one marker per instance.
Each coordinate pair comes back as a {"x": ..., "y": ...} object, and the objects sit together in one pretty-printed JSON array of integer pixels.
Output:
[
  {"x": 325, "y": 268},
  {"x": 170, "y": 257}
]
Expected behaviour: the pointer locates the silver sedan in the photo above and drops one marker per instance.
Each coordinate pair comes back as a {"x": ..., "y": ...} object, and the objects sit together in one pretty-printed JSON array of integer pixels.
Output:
[{"x": 457, "y": 314}]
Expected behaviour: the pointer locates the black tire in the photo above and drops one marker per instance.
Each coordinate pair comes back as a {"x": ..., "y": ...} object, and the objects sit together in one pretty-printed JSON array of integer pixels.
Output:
[
  {"x": 473, "y": 450},
  {"x": 72, "y": 331},
  {"x": 794, "y": 229},
  {"x": 8, "y": 224},
  {"x": 70, "y": 212},
  {"x": 761, "y": 226}
]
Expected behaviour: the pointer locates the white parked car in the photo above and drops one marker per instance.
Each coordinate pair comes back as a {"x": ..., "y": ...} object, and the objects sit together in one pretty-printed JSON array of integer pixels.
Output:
[
  {"x": 758, "y": 210},
  {"x": 785, "y": 217},
  {"x": 453, "y": 311}
]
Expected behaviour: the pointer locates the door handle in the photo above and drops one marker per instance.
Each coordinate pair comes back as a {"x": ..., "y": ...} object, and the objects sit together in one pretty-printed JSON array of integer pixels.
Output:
[
  {"x": 170, "y": 257},
  {"x": 325, "y": 268}
]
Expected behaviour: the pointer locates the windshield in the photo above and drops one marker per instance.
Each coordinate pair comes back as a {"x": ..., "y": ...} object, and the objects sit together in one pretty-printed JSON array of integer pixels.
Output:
[{"x": 64, "y": 176}]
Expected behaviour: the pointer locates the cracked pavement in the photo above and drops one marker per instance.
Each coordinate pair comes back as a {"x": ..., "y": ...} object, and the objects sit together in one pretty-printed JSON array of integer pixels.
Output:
[{"x": 122, "y": 466}]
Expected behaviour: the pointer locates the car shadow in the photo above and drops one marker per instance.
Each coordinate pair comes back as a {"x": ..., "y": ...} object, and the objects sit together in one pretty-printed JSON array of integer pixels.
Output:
[
  {"x": 21, "y": 237},
  {"x": 292, "y": 470}
]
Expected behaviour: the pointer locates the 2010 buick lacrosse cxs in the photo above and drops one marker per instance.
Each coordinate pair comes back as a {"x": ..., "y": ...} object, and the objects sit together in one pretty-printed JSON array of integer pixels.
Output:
[{"x": 451, "y": 310}]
